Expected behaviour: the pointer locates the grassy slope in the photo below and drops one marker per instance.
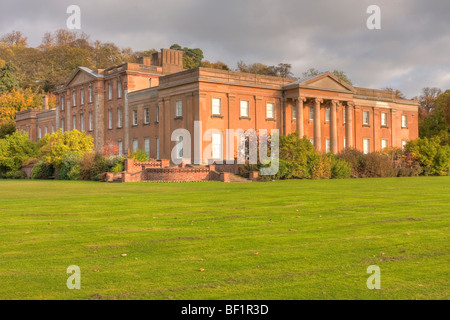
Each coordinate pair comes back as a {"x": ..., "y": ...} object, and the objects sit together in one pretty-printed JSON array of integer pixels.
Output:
[{"x": 314, "y": 239}]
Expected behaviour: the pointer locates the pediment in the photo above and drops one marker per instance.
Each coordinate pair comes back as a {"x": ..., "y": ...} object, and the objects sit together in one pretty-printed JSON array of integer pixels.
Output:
[
  {"x": 80, "y": 76},
  {"x": 328, "y": 81},
  {"x": 325, "y": 81}
]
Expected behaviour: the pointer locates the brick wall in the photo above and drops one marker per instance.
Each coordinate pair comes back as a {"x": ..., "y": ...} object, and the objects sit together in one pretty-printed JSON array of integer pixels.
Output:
[
  {"x": 177, "y": 174},
  {"x": 132, "y": 166}
]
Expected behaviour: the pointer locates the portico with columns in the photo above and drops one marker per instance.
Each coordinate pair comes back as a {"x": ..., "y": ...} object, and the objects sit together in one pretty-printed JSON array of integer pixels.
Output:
[{"x": 335, "y": 115}]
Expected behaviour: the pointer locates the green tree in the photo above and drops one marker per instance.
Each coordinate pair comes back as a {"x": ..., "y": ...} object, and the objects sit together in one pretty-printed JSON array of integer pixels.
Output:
[
  {"x": 438, "y": 122},
  {"x": 53, "y": 147},
  {"x": 7, "y": 127},
  {"x": 281, "y": 70},
  {"x": 8, "y": 79},
  {"x": 431, "y": 154},
  {"x": 216, "y": 65},
  {"x": 15, "y": 149},
  {"x": 192, "y": 58}
]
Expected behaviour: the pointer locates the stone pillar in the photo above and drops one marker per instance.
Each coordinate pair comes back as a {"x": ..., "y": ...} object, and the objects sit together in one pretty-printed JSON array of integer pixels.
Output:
[
  {"x": 349, "y": 125},
  {"x": 317, "y": 128},
  {"x": 126, "y": 123},
  {"x": 333, "y": 127},
  {"x": 300, "y": 128}
]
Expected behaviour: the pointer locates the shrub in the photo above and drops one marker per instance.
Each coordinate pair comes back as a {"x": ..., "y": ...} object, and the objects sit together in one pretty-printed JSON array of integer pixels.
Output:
[
  {"x": 245, "y": 169},
  {"x": 15, "y": 149},
  {"x": 53, "y": 147},
  {"x": 42, "y": 170},
  {"x": 340, "y": 169},
  {"x": 16, "y": 174},
  {"x": 74, "y": 173},
  {"x": 118, "y": 167},
  {"x": 319, "y": 166},
  {"x": 139, "y": 155},
  {"x": 92, "y": 166},
  {"x": 377, "y": 165},
  {"x": 431, "y": 154},
  {"x": 68, "y": 162},
  {"x": 356, "y": 160}
]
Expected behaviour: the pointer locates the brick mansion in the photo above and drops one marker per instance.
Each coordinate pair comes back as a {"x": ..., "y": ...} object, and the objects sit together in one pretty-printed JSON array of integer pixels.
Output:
[{"x": 139, "y": 105}]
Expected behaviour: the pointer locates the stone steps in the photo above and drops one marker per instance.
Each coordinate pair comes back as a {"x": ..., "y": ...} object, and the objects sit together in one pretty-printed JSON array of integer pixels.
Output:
[{"x": 237, "y": 178}]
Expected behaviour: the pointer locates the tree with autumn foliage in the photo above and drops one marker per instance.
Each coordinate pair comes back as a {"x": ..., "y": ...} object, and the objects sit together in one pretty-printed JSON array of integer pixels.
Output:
[
  {"x": 15, "y": 150},
  {"x": 53, "y": 147},
  {"x": 18, "y": 100}
]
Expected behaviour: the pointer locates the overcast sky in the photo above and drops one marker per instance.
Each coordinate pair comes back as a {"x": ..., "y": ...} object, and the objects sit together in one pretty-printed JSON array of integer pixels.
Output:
[{"x": 411, "y": 51}]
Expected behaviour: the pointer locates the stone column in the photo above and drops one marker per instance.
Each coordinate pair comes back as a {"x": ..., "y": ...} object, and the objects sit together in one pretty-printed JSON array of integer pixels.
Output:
[
  {"x": 300, "y": 128},
  {"x": 349, "y": 125},
  {"x": 333, "y": 127},
  {"x": 317, "y": 128}
]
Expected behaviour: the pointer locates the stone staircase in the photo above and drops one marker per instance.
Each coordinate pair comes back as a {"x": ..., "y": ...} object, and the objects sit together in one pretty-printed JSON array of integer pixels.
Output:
[{"x": 237, "y": 178}]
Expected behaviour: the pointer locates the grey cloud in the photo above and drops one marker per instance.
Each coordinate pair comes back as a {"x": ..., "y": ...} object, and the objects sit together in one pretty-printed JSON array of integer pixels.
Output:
[{"x": 411, "y": 50}]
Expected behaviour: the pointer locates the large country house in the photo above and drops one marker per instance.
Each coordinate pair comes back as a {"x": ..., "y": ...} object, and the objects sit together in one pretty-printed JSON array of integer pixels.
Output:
[{"x": 138, "y": 106}]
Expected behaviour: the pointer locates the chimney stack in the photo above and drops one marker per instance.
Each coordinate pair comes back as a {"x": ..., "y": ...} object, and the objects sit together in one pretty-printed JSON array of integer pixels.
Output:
[{"x": 45, "y": 102}]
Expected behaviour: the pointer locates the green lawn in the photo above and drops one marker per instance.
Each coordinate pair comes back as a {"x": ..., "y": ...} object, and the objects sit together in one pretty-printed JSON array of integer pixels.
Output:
[{"x": 314, "y": 239}]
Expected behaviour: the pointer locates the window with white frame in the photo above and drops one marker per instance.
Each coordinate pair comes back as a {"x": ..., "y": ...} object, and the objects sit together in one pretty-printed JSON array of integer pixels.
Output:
[
  {"x": 110, "y": 118},
  {"x": 74, "y": 122},
  {"x": 366, "y": 118},
  {"x": 294, "y": 112},
  {"x": 327, "y": 114},
  {"x": 40, "y": 133},
  {"x": 311, "y": 113},
  {"x": 147, "y": 146},
  {"x": 46, "y": 130},
  {"x": 345, "y": 143},
  {"x": 53, "y": 128},
  {"x": 74, "y": 96},
  {"x": 270, "y": 110},
  {"x": 344, "y": 115},
  {"x": 404, "y": 121},
  {"x": 62, "y": 103},
  {"x": 216, "y": 145},
  {"x": 312, "y": 141},
  {"x": 384, "y": 144},
  {"x": 157, "y": 148},
  {"x": 119, "y": 117},
  {"x": 110, "y": 91},
  {"x": 119, "y": 89},
  {"x": 216, "y": 106},
  {"x": 90, "y": 94},
  {"x": 82, "y": 122},
  {"x": 179, "y": 109},
  {"x": 244, "y": 108},
  {"x": 91, "y": 121},
  {"x": 366, "y": 146},
  {"x": 135, "y": 145},
  {"x": 327, "y": 145},
  {"x": 146, "y": 115},
  {"x": 180, "y": 147},
  {"x": 135, "y": 118},
  {"x": 242, "y": 141},
  {"x": 404, "y": 142},
  {"x": 62, "y": 125},
  {"x": 82, "y": 95},
  {"x": 120, "y": 145},
  {"x": 157, "y": 114},
  {"x": 384, "y": 119}
]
